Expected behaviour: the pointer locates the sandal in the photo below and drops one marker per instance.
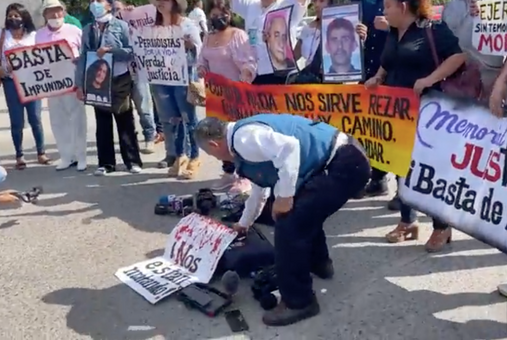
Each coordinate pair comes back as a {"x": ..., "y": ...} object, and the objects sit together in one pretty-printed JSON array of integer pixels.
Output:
[
  {"x": 438, "y": 240},
  {"x": 20, "y": 163},
  {"x": 44, "y": 160},
  {"x": 403, "y": 232}
]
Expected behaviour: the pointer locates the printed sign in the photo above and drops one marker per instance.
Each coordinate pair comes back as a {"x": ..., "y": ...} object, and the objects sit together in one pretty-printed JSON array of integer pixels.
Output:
[
  {"x": 342, "y": 59},
  {"x": 139, "y": 16},
  {"x": 278, "y": 40},
  {"x": 160, "y": 55},
  {"x": 383, "y": 120},
  {"x": 42, "y": 70},
  {"x": 155, "y": 279},
  {"x": 191, "y": 255},
  {"x": 490, "y": 27},
  {"x": 458, "y": 172},
  {"x": 98, "y": 78},
  {"x": 197, "y": 243}
]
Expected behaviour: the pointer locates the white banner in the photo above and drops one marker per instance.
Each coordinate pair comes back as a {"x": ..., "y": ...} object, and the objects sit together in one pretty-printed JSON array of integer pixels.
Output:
[
  {"x": 191, "y": 255},
  {"x": 160, "y": 55},
  {"x": 458, "y": 171},
  {"x": 155, "y": 279},
  {"x": 490, "y": 27},
  {"x": 42, "y": 70},
  {"x": 139, "y": 16}
]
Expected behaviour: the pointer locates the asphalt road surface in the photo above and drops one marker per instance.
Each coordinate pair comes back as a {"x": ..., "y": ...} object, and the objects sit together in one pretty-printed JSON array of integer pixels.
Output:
[{"x": 58, "y": 259}]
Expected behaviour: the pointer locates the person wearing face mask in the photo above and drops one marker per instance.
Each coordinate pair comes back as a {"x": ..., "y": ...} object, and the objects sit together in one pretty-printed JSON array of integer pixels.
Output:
[
  {"x": 67, "y": 114},
  {"x": 254, "y": 13},
  {"x": 20, "y": 31},
  {"x": 108, "y": 34},
  {"x": 226, "y": 52},
  {"x": 141, "y": 97},
  {"x": 178, "y": 116}
]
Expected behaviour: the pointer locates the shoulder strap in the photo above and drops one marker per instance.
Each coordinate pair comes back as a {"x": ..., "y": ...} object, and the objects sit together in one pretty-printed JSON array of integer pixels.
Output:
[
  {"x": 2, "y": 41},
  {"x": 431, "y": 41}
]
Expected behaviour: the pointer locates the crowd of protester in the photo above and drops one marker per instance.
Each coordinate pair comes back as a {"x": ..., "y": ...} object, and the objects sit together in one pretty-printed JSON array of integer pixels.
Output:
[{"x": 397, "y": 52}]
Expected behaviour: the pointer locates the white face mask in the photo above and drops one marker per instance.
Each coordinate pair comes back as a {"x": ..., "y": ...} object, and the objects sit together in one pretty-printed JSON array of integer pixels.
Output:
[
  {"x": 105, "y": 18},
  {"x": 55, "y": 23}
]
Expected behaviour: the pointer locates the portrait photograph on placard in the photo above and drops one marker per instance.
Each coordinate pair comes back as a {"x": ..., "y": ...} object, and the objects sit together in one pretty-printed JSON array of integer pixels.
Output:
[
  {"x": 98, "y": 76},
  {"x": 342, "y": 56},
  {"x": 278, "y": 40}
]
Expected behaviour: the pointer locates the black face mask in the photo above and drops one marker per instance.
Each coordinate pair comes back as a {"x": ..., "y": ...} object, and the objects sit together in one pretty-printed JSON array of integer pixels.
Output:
[
  {"x": 220, "y": 23},
  {"x": 14, "y": 24}
]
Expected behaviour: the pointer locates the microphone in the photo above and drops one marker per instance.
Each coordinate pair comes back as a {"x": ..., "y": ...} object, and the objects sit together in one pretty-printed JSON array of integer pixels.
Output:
[{"x": 230, "y": 281}]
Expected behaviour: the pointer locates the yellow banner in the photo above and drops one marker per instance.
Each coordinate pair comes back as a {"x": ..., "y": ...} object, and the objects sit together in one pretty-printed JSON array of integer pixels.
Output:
[{"x": 384, "y": 120}]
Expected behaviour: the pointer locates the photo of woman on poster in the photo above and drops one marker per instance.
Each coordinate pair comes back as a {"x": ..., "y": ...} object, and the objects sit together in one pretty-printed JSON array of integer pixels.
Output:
[
  {"x": 341, "y": 53},
  {"x": 277, "y": 39},
  {"x": 98, "y": 80}
]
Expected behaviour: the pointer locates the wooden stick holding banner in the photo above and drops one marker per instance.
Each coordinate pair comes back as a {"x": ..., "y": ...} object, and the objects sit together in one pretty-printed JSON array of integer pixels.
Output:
[
  {"x": 42, "y": 70},
  {"x": 160, "y": 55},
  {"x": 191, "y": 255},
  {"x": 383, "y": 120},
  {"x": 458, "y": 172}
]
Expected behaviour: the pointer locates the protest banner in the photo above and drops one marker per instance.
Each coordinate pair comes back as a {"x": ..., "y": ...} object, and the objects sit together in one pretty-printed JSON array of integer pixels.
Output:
[
  {"x": 42, "y": 70},
  {"x": 155, "y": 279},
  {"x": 458, "y": 169},
  {"x": 160, "y": 55},
  {"x": 490, "y": 27},
  {"x": 383, "y": 120},
  {"x": 191, "y": 255},
  {"x": 98, "y": 79},
  {"x": 139, "y": 16}
]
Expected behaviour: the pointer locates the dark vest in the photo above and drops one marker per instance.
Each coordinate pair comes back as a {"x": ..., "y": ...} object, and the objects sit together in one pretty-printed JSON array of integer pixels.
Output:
[{"x": 316, "y": 142}]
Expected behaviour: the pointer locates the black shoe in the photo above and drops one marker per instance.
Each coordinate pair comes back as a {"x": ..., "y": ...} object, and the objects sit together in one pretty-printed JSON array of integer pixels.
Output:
[
  {"x": 376, "y": 188},
  {"x": 394, "y": 204},
  {"x": 361, "y": 194},
  {"x": 167, "y": 162},
  {"x": 324, "y": 271},
  {"x": 281, "y": 315}
]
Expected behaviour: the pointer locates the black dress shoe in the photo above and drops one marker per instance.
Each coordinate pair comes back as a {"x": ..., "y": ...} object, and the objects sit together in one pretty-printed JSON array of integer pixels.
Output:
[
  {"x": 281, "y": 315},
  {"x": 394, "y": 204},
  {"x": 376, "y": 188},
  {"x": 324, "y": 271}
]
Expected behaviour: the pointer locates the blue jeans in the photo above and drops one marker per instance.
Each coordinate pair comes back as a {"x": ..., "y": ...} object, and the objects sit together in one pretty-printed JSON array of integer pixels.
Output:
[
  {"x": 17, "y": 118},
  {"x": 144, "y": 106},
  {"x": 178, "y": 118}
]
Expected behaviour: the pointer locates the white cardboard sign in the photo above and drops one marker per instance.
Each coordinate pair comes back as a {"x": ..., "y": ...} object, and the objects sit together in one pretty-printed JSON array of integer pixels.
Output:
[{"x": 191, "y": 255}]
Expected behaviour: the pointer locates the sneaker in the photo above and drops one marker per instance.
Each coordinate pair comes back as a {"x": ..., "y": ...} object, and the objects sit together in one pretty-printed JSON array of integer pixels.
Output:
[
  {"x": 225, "y": 183},
  {"x": 81, "y": 166},
  {"x": 240, "y": 186},
  {"x": 135, "y": 169},
  {"x": 149, "y": 148},
  {"x": 63, "y": 165},
  {"x": 100, "y": 172}
]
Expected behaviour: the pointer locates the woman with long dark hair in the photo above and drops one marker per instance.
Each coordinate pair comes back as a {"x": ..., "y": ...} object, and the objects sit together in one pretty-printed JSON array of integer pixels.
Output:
[
  {"x": 177, "y": 115},
  {"x": 20, "y": 31},
  {"x": 226, "y": 52},
  {"x": 406, "y": 62},
  {"x": 98, "y": 77}
]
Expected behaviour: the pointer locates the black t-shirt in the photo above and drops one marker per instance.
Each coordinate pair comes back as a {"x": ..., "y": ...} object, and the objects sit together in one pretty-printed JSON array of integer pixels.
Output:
[{"x": 410, "y": 59}]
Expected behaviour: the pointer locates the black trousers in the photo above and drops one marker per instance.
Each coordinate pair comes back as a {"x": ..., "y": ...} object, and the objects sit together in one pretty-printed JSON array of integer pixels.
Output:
[
  {"x": 300, "y": 241},
  {"x": 129, "y": 146}
]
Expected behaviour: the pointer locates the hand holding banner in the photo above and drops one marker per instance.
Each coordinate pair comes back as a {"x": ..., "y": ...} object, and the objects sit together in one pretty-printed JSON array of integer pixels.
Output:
[
  {"x": 42, "y": 70},
  {"x": 383, "y": 120}
]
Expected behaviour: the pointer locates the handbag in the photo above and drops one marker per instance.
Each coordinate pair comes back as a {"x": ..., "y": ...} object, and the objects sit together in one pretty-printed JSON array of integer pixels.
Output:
[
  {"x": 465, "y": 82},
  {"x": 196, "y": 93}
]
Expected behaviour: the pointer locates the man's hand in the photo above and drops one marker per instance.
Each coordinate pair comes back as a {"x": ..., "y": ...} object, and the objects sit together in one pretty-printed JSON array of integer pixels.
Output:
[
  {"x": 242, "y": 231},
  {"x": 362, "y": 31},
  {"x": 103, "y": 50},
  {"x": 373, "y": 82},
  {"x": 474, "y": 8},
  {"x": 282, "y": 205},
  {"x": 246, "y": 76},
  {"x": 381, "y": 23}
]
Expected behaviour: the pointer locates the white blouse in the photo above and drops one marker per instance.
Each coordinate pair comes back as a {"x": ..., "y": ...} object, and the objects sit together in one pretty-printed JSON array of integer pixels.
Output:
[
  {"x": 310, "y": 39},
  {"x": 10, "y": 43}
]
